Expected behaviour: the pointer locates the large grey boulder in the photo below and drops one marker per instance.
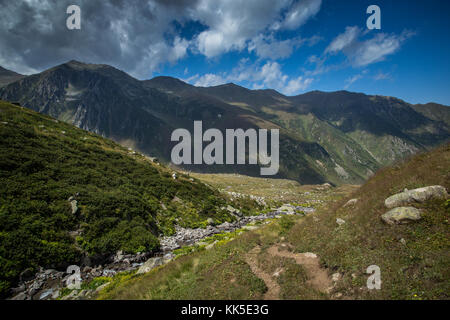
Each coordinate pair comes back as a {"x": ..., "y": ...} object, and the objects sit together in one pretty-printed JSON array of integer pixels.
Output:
[
  {"x": 417, "y": 195},
  {"x": 401, "y": 215}
]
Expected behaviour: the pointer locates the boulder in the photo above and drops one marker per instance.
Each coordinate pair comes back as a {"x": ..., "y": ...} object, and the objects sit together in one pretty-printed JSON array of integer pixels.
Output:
[
  {"x": 340, "y": 221},
  {"x": 150, "y": 264},
  {"x": 21, "y": 296},
  {"x": 287, "y": 208},
  {"x": 417, "y": 195},
  {"x": 401, "y": 215},
  {"x": 350, "y": 202},
  {"x": 74, "y": 206}
]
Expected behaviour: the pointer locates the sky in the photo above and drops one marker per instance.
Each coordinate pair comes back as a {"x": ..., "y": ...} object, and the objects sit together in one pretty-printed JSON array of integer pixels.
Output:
[{"x": 292, "y": 46}]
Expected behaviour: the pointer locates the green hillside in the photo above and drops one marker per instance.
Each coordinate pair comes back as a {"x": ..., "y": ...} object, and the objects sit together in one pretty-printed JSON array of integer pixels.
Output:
[
  {"x": 277, "y": 261},
  {"x": 66, "y": 193}
]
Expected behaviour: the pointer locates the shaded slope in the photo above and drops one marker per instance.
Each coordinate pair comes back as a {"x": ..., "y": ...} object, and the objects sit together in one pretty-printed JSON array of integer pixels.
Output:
[{"x": 7, "y": 77}]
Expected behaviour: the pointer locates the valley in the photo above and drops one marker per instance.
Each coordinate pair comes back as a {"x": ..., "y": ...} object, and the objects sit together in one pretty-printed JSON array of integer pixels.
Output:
[
  {"x": 325, "y": 254},
  {"x": 86, "y": 181}
]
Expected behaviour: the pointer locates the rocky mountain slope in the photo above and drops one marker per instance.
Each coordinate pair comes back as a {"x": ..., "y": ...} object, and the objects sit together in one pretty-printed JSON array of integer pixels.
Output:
[
  {"x": 7, "y": 77},
  {"x": 337, "y": 137}
]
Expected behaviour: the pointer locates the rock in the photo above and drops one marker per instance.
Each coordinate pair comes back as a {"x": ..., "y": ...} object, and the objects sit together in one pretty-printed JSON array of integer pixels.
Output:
[
  {"x": 108, "y": 273},
  {"x": 20, "y": 296},
  {"x": 56, "y": 294},
  {"x": 119, "y": 256},
  {"x": 417, "y": 195},
  {"x": 401, "y": 215},
  {"x": 74, "y": 206},
  {"x": 87, "y": 269},
  {"x": 19, "y": 289},
  {"x": 27, "y": 274},
  {"x": 403, "y": 241},
  {"x": 340, "y": 221},
  {"x": 287, "y": 208},
  {"x": 174, "y": 176},
  {"x": 210, "y": 221},
  {"x": 150, "y": 264},
  {"x": 336, "y": 277},
  {"x": 250, "y": 228},
  {"x": 310, "y": 255},
  {"x": 350, "y": 202},
  {"x": 168, "y": 256},
  {"x": 46, "y": 294}
]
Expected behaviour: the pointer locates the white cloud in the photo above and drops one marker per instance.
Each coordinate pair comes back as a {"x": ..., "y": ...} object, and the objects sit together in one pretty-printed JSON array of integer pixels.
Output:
[
  {"x": 140, "y": 36},
  {"x": 233, "y": 24},
  {"x": 366, "y": 52},
  {"x": 268, "y": 75},
  {"x": 343, "y": 40},
  {"x": 297, "y": 85},
  {"x": 382, "y": 76},
  {"x": 352, "y": 80},
  {"x": 375, "y": 49},
  {"x": 267, "y": 47},
  {"x": 300, "y": 13},
  {"x": 209, "y": 80}
]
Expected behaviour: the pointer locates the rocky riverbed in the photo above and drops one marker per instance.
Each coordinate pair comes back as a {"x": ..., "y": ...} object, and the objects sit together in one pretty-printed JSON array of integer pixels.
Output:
[{"x": 47, "y": 284}]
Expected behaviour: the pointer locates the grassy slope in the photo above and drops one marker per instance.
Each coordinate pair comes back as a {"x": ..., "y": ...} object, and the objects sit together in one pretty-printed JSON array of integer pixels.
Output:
[
  {"x": 417, "y": 270},
  {"x": 120, "y": 196}
]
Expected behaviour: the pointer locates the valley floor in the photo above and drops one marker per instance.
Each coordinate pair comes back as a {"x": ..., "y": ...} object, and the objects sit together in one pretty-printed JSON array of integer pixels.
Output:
[{"x": 255, "y": 263}]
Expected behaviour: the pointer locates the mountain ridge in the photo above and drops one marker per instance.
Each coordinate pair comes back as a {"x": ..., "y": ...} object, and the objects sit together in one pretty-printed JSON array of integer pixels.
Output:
[{"x": 337, "y": 137}]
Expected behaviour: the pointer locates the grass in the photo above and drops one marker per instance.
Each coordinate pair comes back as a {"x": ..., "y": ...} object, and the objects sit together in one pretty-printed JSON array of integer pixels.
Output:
[
  {"x": 418, "y": 269},
  {"x": 274, "y": 191}
]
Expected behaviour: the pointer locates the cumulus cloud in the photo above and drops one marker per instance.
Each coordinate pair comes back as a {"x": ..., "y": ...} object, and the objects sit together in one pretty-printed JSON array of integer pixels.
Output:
[
  {"x": 267, "y": 75},
  {"x": 297, "y": 85},
  {"x": 232, "y": 23},
  {"x": 140, "y": 36},
  {"x": 133, "y": 35},
  {"x": 208, "y": 80}
]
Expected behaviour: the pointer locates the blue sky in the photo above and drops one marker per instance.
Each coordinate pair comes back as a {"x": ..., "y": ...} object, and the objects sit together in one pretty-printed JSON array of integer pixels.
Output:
[
  {"x": 293, "y": 46},
  {"x": 418, "y": 70}
]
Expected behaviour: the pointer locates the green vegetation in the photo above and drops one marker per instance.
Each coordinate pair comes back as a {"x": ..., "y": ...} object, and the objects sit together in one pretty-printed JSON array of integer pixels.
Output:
[
  {"x": 418, "y": 267},
  {"x": 415, "y": 268},
  {"x": 124, "y": 201}
]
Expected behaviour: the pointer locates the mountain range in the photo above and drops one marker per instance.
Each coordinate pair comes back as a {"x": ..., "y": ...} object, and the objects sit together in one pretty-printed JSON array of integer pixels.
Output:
[{"x": 337, "y": 137}]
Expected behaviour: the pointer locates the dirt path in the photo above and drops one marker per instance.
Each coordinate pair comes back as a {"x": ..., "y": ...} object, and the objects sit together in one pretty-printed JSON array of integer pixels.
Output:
[
  {"x": 318, "y": 277},
  {"x": 273, "y": 291}
]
